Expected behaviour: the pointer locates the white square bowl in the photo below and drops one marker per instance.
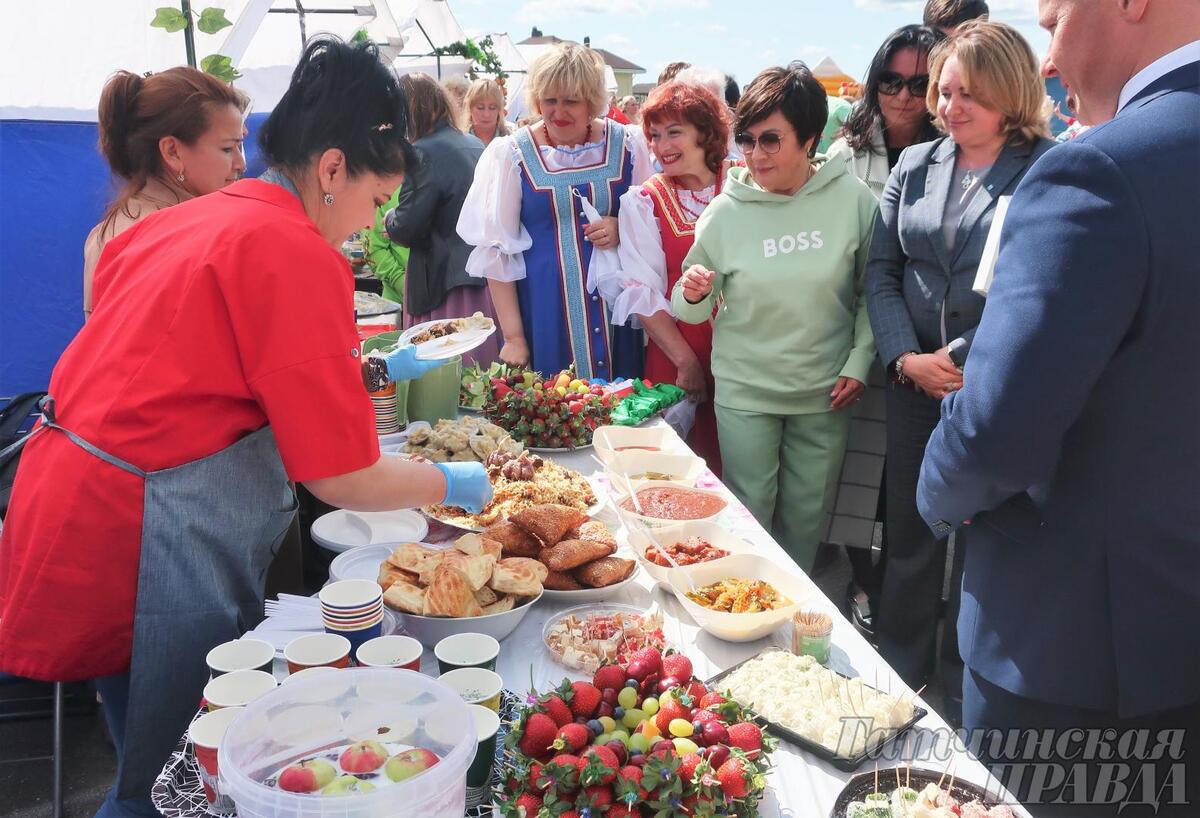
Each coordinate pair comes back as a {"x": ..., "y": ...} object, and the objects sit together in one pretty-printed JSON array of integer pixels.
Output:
[
  {"x": 684, "y": 469},
  {"x": 713, "y": 533},
  {"x": 608, "y": 440},
  {"x": 741, "y": 627}
]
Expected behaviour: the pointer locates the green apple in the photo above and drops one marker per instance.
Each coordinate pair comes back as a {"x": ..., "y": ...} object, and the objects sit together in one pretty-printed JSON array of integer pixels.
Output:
[
  {"x": 405, "y": 765},
  {"x": 345, "y": 785}
]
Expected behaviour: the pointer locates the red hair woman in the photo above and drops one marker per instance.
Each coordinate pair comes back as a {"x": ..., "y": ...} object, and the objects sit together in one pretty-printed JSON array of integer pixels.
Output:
[{"x": 688, "y": 131}]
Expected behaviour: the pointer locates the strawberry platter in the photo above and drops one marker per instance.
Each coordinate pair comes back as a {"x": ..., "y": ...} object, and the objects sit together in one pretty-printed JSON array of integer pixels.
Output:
[{"x": 642, "y": 738}]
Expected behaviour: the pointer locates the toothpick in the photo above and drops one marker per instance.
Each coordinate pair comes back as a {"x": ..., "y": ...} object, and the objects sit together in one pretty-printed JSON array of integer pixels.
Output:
[
  {"x": 907, "y": 775},
  {"x": 943, "y": 778},
  {"x": 897, "y": 771},
  {"x": 950, "y": 788},
  {"x": 877, "y": 778}
]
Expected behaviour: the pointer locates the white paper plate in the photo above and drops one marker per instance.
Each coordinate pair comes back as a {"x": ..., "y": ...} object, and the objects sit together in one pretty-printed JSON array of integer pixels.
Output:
[
  {"x": 448, "y": 346},
  {"x": 360, "y": 562},
  {"x": 342, "y": 530}
]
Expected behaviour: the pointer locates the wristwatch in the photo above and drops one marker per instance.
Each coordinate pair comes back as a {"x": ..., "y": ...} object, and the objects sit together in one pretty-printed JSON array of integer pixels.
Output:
[{"x": 899, "y": 366}]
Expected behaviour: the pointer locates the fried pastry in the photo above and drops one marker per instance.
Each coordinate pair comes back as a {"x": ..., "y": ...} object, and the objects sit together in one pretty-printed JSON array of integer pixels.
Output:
[
  {"x": 593, "y": 531},
  {"x": 605, "y": 571},
  {"x": 518, "y": 575},
  {"x": 514, "y": 540},
  {"x": 549, "y": 521},
  {"x": 450, "y": 594},
  {"x": 559, "y": 581},
  {"x": 570, "y": 554}
]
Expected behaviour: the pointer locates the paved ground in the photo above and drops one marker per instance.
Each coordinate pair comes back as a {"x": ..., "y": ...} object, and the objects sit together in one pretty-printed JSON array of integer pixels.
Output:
[{"x": 89, "y": 766}]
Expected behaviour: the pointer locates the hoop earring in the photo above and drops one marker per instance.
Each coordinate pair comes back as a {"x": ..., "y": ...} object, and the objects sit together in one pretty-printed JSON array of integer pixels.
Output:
[
  {"x": 328, "y": 199},
  {"x": 179, "y": 177}
]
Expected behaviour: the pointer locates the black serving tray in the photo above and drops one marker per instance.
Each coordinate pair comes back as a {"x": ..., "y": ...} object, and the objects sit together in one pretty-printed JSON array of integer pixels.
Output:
[
  {"x": 863, "y": 784},
  {"x": 819, "y": 750}
]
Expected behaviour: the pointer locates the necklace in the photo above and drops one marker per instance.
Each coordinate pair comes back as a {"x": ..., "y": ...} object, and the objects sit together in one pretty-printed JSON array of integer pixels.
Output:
[{"x": 587, "y": 137}]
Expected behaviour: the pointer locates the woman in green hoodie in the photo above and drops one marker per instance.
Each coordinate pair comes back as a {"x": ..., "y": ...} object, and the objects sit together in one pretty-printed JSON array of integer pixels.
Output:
[{"x": 780, "y": 254}]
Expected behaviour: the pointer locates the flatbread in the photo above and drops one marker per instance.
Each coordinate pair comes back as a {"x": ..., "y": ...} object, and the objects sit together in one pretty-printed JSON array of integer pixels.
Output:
[
  {"x": 390, "y": 574},
  {"x": 475, "y": 545},
  {"x": 485, "y": 596},
  {"x": 404, "y": 596},
  {"x": 501, "y": 605},
  {"x": 518, "y": 575},
  {"x": 416, "y": 558},
  {"x": 450, "y": 594}
]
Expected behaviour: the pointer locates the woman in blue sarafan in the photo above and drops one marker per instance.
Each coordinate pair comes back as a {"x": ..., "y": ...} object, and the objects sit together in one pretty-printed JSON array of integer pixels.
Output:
[{"x": 542, "y": 199}]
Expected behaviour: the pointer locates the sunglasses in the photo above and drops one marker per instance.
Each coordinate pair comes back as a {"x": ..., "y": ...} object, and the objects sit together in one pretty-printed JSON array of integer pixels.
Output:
[
  {"x": 890, "y": 83},
  {"x": 770, "y": 142}
]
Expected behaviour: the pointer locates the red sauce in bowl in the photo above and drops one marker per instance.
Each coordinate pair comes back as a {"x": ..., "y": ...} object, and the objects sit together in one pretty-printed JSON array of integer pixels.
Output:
[{"x": 666, "y": 503}]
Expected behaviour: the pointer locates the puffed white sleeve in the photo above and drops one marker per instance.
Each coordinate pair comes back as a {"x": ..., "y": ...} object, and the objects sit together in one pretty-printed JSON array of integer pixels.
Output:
[
  {"x": 643, "y": 163},
  {"x": 632, "y": 277},
  {"x": 490, "y": 219}
]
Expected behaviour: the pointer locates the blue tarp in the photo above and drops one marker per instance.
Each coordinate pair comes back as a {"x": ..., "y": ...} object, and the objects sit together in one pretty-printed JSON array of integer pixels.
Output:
[{"x": 54, "y": 187}]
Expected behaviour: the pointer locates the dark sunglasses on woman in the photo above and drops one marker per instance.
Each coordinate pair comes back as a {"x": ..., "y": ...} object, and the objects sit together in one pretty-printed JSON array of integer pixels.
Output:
[
  {"x": 770, "y": 142},
  {"x": 890, "y": 83}
]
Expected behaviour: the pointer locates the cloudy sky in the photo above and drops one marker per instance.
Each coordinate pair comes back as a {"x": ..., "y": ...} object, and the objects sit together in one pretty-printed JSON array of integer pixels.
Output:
[{"x": 737, "y": 36}]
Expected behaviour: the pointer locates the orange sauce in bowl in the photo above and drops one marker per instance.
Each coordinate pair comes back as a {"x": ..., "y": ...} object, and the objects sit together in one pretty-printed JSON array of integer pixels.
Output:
[{"x": 667, "y": 503}]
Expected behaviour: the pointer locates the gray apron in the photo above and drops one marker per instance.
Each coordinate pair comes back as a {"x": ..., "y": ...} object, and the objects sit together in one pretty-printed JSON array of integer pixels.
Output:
[{"x": 209, "y": 531}]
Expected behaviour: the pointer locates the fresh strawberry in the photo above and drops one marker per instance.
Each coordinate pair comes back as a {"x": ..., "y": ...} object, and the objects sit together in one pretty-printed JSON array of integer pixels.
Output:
[
  {"x": 629, "y": 786},
  {"x": 670, "y": 708},
  {"x": 746, "y": 737},
  {"x": 528, "y": 805},
  {"x": 651, "y": 657},
  {"x": 586, "y": 699},
  {"x": 557, "y": 709},
  {"x": 677, "y": 665},
  {"x": 562, "y": 771},
  {"x": 610, "y": 677},
  {"x": 621, "y": 811},
  {"x": 705, "y": 716},
  {"x": 600, "y": 766},
  {"x": 572, "y": 737},
  {"x": 539, "y": 733},
  {"x": 733, "y": 778},
  {"x": 688, "y": 765},
  {"x": 538, "y": 780},
  {"x": 595, "y": 796},
  {"x": 710, "y": 699}
]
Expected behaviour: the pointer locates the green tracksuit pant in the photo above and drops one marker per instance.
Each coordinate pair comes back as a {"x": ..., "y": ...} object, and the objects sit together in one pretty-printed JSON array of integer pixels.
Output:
[{"x": 784, "y": 469}]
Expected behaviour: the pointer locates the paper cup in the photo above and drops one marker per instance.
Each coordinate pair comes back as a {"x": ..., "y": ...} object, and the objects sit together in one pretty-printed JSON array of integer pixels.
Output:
[
  {"x": 307, "y": 673},
  {"x": 206, "y": 733},
  {"x": 466, "y": 650},
  {"x": 237, "y": 688},
  {"x": 350, "y": 595},
  {"x": 390, "y": 651},
  {"x": 476, "y": 686},
  {"x": 358, "y": 636},
  {"x": 240, "y": 654},
  {"x": 316, "y": 650},
  {"x": 352, "y": 622},
  {"x": 479, "y": 775}
]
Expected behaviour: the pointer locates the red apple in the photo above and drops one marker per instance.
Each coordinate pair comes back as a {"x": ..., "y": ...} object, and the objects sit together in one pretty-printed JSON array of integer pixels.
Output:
[
  {"x": 363, "y": 757},
  {"x": 409, "y": 763},
  {"x": 309, "y": 775}
]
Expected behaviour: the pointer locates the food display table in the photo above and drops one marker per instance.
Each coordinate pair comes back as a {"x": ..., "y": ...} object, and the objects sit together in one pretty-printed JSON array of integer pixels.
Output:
[{"x": 800, "y": 784}]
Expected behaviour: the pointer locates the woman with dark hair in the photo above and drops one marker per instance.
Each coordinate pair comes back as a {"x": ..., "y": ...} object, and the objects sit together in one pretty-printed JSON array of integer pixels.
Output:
[
  {"x": 436, "y": 284},
  {"x": 892, "y": 114},
  {"x": 782, "y": 250},
  {"x": 687, "y": 128},
  {"x": 221, "y": 361},
  {"x": 169, "y": 136},
  {"x": 890, "y": 117}
]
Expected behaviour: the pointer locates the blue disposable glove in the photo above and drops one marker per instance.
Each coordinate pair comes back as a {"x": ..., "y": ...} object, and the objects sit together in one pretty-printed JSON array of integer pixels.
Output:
[
  {"x": 402, "y": 364},
  {"x": 467, "y": 486}
]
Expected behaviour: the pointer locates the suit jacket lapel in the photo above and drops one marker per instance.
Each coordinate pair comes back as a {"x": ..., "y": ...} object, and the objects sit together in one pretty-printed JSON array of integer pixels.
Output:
[
  {"x": 1009, "y": 163},
  {"x": 937, "y": 188}
]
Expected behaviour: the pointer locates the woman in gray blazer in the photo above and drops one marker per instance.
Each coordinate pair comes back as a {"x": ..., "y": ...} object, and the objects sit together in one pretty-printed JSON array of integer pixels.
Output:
[{"x": 987, "y": 94}]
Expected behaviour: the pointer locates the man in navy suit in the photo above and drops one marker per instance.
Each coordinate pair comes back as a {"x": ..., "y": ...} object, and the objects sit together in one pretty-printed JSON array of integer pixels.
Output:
[{"x": 1073, "y": 448}]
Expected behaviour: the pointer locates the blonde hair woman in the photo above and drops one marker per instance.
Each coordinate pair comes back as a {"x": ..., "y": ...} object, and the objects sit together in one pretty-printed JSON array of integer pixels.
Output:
[
  {"x": 524, "y": 216},
  {"x": 985, "y": 92},
  {"x": 484, "y": 114}
]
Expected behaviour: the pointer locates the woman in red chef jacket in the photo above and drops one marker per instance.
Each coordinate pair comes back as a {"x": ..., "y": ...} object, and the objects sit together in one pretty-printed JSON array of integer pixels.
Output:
[{"x": 220, "y": 362}]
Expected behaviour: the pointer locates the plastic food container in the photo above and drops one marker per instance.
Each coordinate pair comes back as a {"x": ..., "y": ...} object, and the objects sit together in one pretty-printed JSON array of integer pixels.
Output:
[
  {"x": 609, "y": 441},
  {"x": 327, "y": 711},
  {"x": 740, "y": 627},
  {"x": 635, "y": 468},
  {"x": 713, "y": 533},
  {"x": 661, "y": 522}
]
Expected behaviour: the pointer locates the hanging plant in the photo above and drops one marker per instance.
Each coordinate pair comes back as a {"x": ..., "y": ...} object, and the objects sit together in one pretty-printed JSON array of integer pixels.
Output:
[
  {"x": 209, "y": 21},
  {"x": 483, "y": 59}
]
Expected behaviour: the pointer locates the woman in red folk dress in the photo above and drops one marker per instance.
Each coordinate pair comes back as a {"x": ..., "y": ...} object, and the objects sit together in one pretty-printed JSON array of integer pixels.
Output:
[{"x": 688, "y": 131}]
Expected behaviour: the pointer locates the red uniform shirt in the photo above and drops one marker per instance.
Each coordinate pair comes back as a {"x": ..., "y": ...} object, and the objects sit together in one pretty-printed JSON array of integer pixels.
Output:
[{"x": 212, "y": 319}]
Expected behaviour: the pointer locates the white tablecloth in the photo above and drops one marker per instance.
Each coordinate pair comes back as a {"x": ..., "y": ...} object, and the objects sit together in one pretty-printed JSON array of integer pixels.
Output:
[{"x": 800, "y": 784}]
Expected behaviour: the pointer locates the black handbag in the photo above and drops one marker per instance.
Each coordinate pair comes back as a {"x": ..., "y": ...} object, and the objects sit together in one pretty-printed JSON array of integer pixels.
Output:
[{"x": 15, "y": 418}]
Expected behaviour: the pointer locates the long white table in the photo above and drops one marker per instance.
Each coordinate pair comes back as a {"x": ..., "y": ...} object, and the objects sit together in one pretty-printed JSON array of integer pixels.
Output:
[{"x": 800, "y": 785}]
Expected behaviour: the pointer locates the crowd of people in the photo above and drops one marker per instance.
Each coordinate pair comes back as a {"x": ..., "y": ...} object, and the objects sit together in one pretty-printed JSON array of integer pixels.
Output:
[{"x": 777, "y": 254}]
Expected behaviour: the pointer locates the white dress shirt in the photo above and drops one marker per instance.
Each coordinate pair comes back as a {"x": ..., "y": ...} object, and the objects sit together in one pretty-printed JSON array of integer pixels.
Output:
[{"x": 1164, "y": 65}]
